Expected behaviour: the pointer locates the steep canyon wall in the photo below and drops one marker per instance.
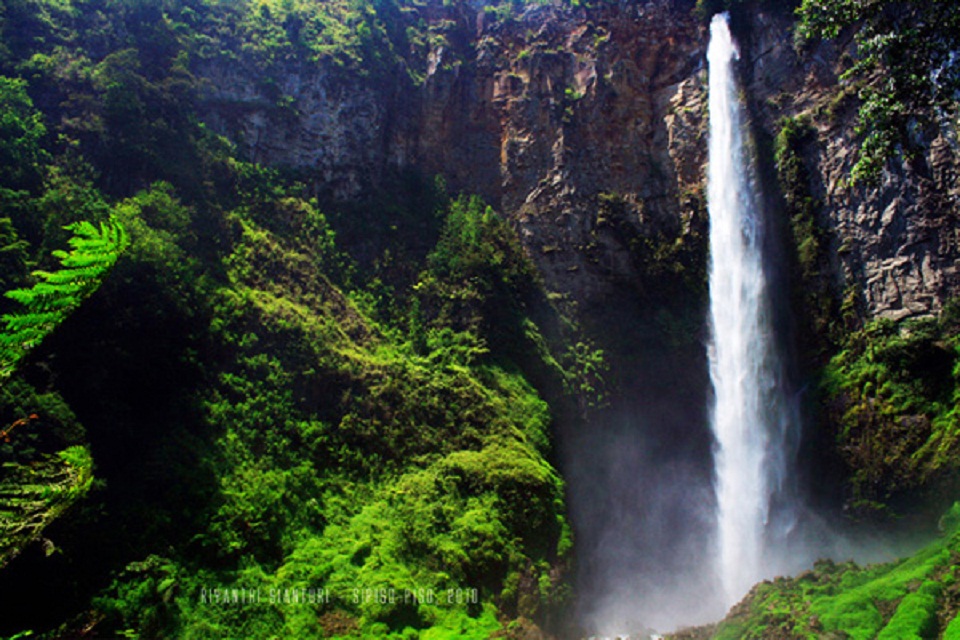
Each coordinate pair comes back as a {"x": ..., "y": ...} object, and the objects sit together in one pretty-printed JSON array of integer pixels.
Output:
[{"x": 548, "y": 111}]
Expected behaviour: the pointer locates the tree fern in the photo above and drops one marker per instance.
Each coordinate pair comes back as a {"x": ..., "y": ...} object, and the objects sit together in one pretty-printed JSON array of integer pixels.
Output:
[{"x": 94, "y": 251}]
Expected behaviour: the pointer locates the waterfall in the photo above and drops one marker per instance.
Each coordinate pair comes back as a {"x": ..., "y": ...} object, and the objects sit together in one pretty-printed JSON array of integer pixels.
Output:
[{"x": 750, "y": 417}]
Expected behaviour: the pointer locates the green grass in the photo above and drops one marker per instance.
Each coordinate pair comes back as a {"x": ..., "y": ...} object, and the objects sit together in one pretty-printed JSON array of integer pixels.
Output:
[{"x": 902, "y": 599}]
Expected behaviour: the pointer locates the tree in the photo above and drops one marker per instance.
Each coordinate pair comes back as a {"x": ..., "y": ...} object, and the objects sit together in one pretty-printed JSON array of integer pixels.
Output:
[
  {"x": 21, "y": 131},
  {"x": 13, "y": 255}
]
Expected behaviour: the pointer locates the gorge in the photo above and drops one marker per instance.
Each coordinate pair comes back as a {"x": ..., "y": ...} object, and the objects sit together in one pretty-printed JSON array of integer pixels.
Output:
[{"x": 434, "y": 302}]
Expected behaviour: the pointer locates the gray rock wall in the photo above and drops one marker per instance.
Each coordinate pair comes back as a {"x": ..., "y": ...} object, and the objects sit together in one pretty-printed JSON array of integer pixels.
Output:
[{"x": 545, "y": 113}]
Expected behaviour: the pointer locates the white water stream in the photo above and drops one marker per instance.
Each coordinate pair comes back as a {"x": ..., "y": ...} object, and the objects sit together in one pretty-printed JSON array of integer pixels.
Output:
[{"x": 750, "y": 418}]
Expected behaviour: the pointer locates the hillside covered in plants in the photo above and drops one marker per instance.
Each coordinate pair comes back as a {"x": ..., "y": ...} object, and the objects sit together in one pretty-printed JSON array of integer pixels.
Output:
[{"x": 239, "y": 400}]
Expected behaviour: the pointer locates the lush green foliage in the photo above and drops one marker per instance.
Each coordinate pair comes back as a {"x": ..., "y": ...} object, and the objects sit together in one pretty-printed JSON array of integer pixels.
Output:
[
  {"x": 273, "y": 398},
  {"x": 36, "y": 495},
  {"x": 894, "y": 391},
  {"x": 348, "y": 461},
  {"x": 906, "y": 67},
  {"x": 21, "y": 134},
  {"x": 478, "y": 278},
  {"x": 44, "y": 468},
  {"x": 911, "y": 598},
  {"x": 327, "y": 437}
]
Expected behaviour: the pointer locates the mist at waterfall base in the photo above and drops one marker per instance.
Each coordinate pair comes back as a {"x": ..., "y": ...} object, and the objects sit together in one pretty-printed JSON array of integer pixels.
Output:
[
  {"x": 642, "y": 501},
  {"x": 683, "y": 496}
]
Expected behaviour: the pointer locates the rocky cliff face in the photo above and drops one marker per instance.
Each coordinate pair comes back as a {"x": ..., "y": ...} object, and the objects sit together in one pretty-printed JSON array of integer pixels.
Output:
[
  {"x": 542, "y": 114},
  {"x": 550, "y": 112},
  {"x": 894, "y": 245}
]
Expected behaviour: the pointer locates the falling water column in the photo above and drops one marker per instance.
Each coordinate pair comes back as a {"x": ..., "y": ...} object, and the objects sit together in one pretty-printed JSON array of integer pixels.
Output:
[{"x": 744, "y": 366}]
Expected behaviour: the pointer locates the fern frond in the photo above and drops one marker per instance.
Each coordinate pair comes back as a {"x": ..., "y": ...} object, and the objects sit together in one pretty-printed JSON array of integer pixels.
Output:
[
  {"x": 16, "y": 323},
  {"x": 94, "y": 251}
]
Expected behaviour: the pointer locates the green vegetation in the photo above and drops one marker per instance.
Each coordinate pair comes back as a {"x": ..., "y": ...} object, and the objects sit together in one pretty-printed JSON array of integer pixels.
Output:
[
  {"x": 37, "y": 486},
  {"x": 36, "y": 495},
  {"x": 478, "y": 278},
  {"x": 794, "y": 178},
  {"x": 894, "y": 390},
  {"x": 21, "y": 133},
  {"x": 349, "y": 461},
  {"x": 50, "y": 301},
  {"x": 910, "y": 598},
  {"x": 906, "y": 68},
  {"x": 815, "y": 294},
  {"x": 267, "y": 390}
]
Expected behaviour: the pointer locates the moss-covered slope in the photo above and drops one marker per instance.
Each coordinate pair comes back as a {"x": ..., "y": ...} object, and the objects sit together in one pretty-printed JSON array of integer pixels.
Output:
[{"x": 916, "y": 597}]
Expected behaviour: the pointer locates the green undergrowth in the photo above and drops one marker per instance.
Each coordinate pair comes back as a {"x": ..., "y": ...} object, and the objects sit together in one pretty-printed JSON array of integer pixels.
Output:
[
  {"x": 272, "y": 398},
  {"x": 893, "y": 391},
  {"x": 400, "y": 479},
  {"x": 44, "y": 468},
  {"x": 46, "y": 463},
  {"x": 911, "y": 598}
]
